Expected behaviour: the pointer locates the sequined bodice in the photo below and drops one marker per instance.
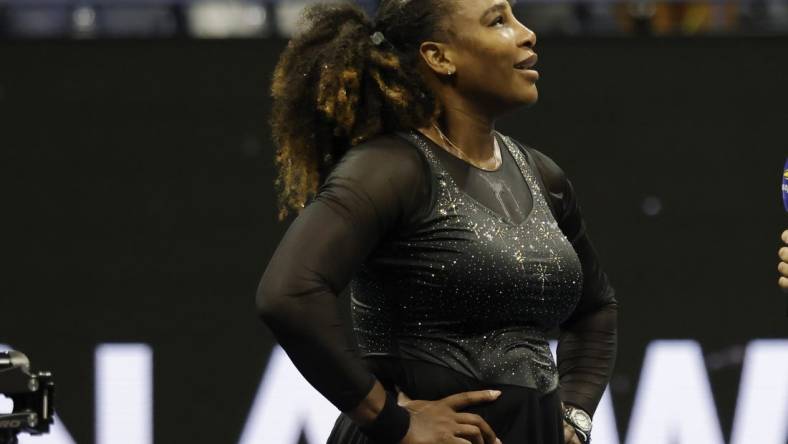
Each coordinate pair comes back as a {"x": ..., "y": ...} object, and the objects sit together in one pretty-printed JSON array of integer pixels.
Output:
[{"x": 467, "y": 288}]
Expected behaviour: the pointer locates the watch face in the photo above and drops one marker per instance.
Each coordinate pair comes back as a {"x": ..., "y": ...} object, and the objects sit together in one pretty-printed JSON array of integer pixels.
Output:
[{"x": 581, "y": 419}]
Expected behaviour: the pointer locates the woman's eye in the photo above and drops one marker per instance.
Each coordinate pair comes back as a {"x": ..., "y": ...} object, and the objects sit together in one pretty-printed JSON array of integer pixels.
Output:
[{"x": 498, "y": 21}]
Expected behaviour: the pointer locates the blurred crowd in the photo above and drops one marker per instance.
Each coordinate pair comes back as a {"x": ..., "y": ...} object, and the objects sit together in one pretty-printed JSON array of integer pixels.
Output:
[
  {"x": 266, "y": 18},
  {"x": 657, "y": 17}
]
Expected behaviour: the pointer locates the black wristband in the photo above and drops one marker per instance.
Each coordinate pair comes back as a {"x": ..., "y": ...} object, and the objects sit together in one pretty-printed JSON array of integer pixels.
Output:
[{"x": 391, "y": 424}]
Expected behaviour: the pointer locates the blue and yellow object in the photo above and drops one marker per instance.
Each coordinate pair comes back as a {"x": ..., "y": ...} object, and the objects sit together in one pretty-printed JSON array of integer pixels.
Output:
[{"x": 785, "y": 185}]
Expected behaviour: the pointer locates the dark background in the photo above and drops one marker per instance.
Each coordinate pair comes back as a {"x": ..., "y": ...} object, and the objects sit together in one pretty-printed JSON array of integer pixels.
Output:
[{"x": 138, "y": 205}]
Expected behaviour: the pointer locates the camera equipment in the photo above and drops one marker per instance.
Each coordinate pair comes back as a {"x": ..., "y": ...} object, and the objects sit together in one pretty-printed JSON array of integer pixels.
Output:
[{"x": 32, "y": 394}]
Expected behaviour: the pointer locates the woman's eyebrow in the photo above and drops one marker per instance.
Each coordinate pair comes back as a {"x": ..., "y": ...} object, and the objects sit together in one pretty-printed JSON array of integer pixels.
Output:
[{"x": 498, "y": 7}]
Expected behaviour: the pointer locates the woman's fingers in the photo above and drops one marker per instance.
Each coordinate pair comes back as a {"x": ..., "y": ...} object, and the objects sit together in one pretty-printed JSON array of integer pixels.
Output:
[
  {"x": 401, "y": 396},
  {"x": 783, "y": 253},
  {"x": 470, "y": 432},
  {"x": 461, "y": 400},
  {"x": 479, "y": 423},
  {"x": 782, "y": 267}
]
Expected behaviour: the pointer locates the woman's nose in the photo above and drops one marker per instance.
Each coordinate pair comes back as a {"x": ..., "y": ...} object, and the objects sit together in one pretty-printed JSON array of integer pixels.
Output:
[{"x": 528, "y": 37}]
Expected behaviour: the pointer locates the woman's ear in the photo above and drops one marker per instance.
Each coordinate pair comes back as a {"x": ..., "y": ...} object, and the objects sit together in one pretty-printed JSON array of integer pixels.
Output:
[{"x": 437, "y": 58}]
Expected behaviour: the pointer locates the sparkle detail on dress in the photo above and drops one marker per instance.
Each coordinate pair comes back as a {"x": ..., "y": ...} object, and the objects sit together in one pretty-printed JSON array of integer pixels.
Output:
[{"x": 468, "y": 289}]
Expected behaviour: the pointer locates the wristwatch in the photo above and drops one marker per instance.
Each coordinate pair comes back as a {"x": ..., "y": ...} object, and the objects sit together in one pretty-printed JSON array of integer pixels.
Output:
[{"x": 581, "y": 421}]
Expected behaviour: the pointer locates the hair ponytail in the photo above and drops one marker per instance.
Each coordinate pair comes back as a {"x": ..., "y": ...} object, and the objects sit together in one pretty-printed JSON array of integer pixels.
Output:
[{"x": 333, "y": 88}]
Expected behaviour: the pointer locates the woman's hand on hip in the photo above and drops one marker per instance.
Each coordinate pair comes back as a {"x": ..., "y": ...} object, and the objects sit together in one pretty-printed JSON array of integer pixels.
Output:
[{"x": 440, "y": 422}]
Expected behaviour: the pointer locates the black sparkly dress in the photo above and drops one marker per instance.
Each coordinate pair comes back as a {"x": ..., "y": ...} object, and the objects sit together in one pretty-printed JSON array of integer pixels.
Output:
[{"x": 457, "y": 276}]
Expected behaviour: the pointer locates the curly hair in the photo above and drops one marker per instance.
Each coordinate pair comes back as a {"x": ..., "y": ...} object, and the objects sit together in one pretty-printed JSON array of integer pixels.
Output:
[{"x": 333, "y": 88}]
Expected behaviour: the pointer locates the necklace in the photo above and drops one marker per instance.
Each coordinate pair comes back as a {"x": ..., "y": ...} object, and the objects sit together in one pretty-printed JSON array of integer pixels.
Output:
[{"x": 453, "y": 148}]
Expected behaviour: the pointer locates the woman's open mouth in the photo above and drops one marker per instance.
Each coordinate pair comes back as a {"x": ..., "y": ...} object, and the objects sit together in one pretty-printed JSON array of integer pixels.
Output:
[{"x": 524, "y": 66}]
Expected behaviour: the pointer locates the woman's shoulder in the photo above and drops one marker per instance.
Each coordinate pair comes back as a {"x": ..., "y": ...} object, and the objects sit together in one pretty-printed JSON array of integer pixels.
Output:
[
  {"x": 552, "y": 174},
  {"x": 385, "y": 154},
  {"x": 389, "y": 171}
]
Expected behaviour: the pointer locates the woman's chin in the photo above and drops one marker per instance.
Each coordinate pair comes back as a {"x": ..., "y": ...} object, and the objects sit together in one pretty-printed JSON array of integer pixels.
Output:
[
  {"x": 529, "y": 98},
  {"x": 523, "y": 99}
]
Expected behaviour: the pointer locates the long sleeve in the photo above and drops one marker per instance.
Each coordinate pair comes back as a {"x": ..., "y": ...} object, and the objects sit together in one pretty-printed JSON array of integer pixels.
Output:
[
  {"x": 588, "y": 340},
  {"x": 376, "y": 189}
]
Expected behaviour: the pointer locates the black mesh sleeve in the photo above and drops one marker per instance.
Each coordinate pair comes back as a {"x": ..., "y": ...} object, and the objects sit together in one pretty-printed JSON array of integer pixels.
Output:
[
  {"x": 376, "y": 187},
  {"x": 588, "y": 340}
]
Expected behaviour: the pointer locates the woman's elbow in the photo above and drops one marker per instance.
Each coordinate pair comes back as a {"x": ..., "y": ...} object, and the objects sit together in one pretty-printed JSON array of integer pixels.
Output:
[
  {"x": 273, "y": 290},
  {"x": 268, "y": 301}
]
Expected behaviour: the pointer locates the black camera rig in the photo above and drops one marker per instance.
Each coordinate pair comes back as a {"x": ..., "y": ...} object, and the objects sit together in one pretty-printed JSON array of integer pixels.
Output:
[{"x": 32, "y": 394}]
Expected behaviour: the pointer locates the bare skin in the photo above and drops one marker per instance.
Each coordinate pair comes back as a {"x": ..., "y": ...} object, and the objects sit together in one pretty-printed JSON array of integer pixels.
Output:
[
  {"x": 484, "y": 83},
  {"x": 434, "y": 422},
  {"x": 782, "y": 267},
  {"x": 445, "y": 422}
]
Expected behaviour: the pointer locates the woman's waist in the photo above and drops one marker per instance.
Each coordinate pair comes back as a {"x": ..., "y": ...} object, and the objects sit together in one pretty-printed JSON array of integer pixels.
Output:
[
  {"x": 483, "y": 355},
  {"x": 461, "y": 364},
  {"x": 430, "y": 380}
]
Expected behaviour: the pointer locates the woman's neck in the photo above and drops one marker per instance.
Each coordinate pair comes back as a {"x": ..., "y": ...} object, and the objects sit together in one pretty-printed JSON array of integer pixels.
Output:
[{"x": 469, "y": 132}]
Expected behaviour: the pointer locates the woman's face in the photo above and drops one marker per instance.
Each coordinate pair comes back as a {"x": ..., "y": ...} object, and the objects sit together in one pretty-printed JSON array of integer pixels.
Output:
[{"x": 488, "y": 47}]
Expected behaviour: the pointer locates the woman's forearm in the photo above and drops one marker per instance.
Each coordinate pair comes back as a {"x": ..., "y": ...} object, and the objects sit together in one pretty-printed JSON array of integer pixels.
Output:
[
  {"x": 305, "y": 322},
  {"x": 586, "y": 356}
]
